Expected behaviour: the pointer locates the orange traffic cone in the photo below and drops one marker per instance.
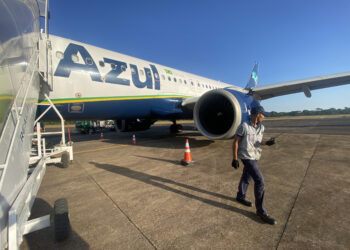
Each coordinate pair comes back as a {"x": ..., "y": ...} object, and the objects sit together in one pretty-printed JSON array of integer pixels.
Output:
[
  {"x": 133, "y": 139},
  {"x": 187, "y": 157},
  {"x": 101, "y": 137}
]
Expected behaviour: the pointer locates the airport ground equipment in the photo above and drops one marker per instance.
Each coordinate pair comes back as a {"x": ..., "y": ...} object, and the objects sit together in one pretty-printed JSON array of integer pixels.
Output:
[
  {"x": 22, "y": 50},
  {"x": 63, "y": 150}
]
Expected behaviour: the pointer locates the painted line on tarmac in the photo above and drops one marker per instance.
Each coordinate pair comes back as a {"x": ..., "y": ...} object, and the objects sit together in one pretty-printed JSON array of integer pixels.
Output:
[
  {"x": 109, "y": 147},
  {"x": 99, "y": 149}
]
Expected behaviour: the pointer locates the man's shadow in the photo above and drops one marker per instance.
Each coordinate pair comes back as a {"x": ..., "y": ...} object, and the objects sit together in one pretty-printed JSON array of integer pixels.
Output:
[{"x": 161, "y": 182}]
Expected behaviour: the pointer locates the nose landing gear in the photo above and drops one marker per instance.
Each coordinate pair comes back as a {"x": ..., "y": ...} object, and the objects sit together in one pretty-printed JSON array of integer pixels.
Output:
[{"x": 175, "y": 128}]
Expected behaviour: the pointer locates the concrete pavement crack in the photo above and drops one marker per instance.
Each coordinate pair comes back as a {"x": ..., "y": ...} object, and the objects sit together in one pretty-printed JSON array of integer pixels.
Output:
[
  {"x": 119, "y": 208},
  {"x": 296, "y": 197}
]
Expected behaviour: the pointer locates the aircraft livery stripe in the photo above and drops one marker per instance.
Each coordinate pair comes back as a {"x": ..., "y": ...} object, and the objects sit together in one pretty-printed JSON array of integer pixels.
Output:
[
  {"x": 101, "y": 99},
  {"x": 6, "y": 97}
]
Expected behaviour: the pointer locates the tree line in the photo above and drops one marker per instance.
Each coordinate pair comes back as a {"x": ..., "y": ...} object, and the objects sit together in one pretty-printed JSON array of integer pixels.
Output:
[{"x": 318, "y": 111}]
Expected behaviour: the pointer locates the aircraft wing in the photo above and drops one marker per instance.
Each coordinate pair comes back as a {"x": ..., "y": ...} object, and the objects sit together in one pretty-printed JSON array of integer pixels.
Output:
[
  {"x": 190, "y": 102},
  {"x": 305, "y": 85}
]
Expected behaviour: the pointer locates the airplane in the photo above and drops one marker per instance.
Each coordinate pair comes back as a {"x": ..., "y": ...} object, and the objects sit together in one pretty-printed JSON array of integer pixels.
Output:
[
  {"x": 81, "y": 81},
  {"x": 94, "y": 83}
]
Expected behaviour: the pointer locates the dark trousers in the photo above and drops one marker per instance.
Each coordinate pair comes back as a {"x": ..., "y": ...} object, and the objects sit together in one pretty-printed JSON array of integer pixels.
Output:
[{"x": 252, "y": 171}]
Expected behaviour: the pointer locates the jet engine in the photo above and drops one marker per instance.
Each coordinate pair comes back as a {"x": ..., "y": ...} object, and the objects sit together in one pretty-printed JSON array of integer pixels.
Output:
[{"x": 218, "y": 113}]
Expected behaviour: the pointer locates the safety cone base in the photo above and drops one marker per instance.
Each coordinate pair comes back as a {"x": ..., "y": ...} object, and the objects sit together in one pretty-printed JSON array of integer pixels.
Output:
[{"x": 187, "y": 163}]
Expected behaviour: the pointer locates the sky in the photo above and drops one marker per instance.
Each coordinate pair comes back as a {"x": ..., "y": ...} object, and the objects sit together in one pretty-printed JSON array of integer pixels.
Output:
[{"x": 222, "y": 39}]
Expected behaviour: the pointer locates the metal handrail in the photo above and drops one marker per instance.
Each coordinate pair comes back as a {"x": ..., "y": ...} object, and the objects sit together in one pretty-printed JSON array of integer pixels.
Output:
[{"x": 18, "y": 116}]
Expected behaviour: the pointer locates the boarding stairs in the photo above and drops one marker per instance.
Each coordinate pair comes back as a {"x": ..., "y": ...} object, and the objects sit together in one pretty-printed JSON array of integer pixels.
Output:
[{"x": 23, "y": 153}]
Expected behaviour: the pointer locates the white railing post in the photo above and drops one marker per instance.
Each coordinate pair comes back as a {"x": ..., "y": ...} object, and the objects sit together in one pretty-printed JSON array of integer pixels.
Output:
[{"x": 60, "y": 116}]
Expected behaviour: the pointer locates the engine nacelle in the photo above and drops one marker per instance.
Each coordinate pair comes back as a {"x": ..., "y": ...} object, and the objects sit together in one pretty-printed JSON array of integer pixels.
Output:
[
  {"x": 218, "y": 113},
  {"x": 134, "y": 124}
]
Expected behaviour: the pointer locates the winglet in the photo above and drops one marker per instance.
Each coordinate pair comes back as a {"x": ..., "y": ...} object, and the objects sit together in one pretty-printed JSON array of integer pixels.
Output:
[{"x": 253, "y": 79}]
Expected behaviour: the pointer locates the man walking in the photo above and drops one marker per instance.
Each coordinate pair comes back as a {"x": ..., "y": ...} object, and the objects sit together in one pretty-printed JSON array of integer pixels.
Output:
[{"x": 247, "y": 146}]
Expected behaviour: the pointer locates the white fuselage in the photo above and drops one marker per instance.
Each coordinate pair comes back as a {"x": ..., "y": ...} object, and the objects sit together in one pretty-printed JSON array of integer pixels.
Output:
[{"x": 85, "y": 73}]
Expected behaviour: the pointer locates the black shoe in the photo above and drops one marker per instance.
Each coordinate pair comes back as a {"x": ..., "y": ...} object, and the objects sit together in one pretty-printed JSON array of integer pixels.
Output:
[
  {"x": 266, "y": 218},
  {"x": 244, "y": 202}
]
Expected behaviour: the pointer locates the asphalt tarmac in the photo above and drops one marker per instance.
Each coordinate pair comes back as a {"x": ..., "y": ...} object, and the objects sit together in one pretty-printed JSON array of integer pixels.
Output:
[{"x": 125, "y": 196}]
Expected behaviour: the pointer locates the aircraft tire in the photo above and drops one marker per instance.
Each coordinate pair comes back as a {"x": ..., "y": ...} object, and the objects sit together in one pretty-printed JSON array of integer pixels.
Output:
[
  {"x": 65, "y": 160},
  {"x": 61, "y": 220},
  {"x": 179, "y": 127},
  {"x": 173, "y": 129}
]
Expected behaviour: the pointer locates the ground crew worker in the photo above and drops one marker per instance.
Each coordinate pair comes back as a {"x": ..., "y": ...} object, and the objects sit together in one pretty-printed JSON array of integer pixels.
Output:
[{"x": 247, "y": 146}]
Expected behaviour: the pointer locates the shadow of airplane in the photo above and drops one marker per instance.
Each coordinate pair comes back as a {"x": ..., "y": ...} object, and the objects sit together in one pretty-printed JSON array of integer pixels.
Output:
[{"x": 161, "y": 182}]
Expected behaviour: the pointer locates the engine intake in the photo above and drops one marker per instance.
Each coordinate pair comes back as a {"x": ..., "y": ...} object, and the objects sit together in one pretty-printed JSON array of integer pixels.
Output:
[{"x": 218, "y": 114}]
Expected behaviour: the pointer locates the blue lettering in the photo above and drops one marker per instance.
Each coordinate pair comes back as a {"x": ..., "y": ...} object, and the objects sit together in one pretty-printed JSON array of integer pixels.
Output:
[
  {"x": 117, "y": 68},
  {"x": 136, "y": 78},
  {"x": 66, "y": 65},
  {"x": 155, "y": 77}
]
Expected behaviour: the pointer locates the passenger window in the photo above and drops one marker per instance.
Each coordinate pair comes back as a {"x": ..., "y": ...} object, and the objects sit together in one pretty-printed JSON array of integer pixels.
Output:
[
  {"x": 185, "y": 82},
  {"x": 149, "y": 73},
  {"x": 88, "y": 61},
  {"x": 59, "y": 55},
  {"x": 123, "y": 67},
  {"x": 113, "y": 66},
  {"x": 102, "y": 64},
  {"x": 199, "y": 84},
  {"x": 191, "y": 83},
  {"x": 174, "y": 79},
  {"x": 169, "y": 78}
]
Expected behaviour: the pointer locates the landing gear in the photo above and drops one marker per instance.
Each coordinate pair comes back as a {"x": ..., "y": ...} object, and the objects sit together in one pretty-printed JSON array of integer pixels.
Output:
[{"x": 175, "y": 128}]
